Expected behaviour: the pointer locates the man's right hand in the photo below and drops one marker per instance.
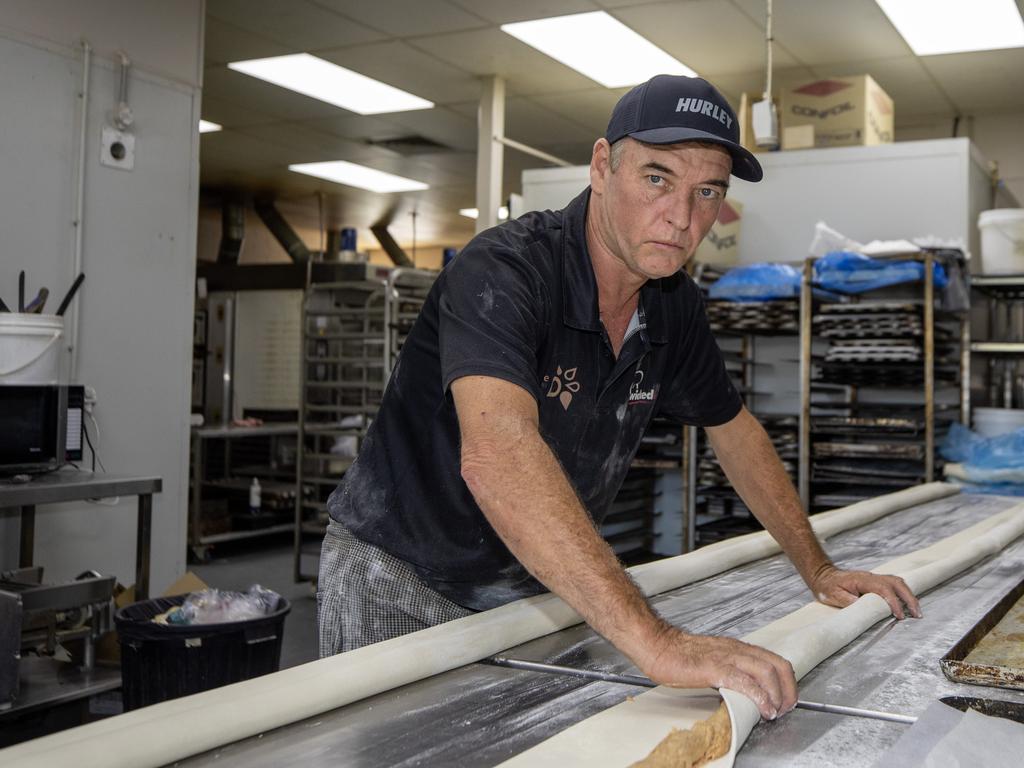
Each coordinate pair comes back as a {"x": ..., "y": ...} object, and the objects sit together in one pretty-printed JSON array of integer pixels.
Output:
[{"x": 680, "y": 660}]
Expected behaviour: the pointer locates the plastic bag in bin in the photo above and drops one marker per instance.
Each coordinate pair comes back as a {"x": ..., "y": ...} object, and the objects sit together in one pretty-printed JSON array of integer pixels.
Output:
[{"x": 218, "y": 606}]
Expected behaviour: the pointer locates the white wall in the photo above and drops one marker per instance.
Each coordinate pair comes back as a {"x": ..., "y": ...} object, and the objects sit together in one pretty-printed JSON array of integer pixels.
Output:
[
  {"x": 996, "y": 134},
  {"x": 139, "y": 251}
]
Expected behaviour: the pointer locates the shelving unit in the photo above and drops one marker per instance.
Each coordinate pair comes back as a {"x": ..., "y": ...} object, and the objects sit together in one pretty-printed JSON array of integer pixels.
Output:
[
  {"x": 224, "y": 460},
  {"x": 855, "y": 436},
  {"x": 1003, "y": 347},
  {"x": 342, "y": 376},
  {"x": 712, "y": 509},
  {"x": 407, "y": 289}
]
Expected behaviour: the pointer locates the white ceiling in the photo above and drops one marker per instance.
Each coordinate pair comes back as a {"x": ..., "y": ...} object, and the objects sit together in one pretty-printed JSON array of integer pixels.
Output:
[{"x": 439, "y": 49}]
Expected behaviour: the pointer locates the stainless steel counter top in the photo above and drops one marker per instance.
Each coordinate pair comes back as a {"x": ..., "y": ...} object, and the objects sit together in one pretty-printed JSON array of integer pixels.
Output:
[{"x": 480, "y": 715}]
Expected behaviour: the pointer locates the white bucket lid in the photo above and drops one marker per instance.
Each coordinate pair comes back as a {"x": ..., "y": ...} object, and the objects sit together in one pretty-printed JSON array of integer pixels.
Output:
[
  {"x": 1000, "y": 216},
  {"x": 29, "y": 321}
]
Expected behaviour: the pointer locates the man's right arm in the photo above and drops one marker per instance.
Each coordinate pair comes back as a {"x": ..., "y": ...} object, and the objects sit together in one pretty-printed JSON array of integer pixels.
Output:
[{"x": 524, "y": 494}]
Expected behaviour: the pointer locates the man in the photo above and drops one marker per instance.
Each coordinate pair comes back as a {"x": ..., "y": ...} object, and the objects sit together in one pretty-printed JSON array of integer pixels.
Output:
[{"x": 521, "y": 395}]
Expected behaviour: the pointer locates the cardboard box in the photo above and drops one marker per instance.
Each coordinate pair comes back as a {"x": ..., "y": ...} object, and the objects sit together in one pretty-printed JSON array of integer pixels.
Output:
[
  {"x": 721, "y": 246},
  {"x": 798, "y": 137},
  {"x": 844, "y": 111}
]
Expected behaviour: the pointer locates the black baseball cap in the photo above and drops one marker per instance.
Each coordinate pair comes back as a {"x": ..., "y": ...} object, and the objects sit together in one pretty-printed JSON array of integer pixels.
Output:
[{"x": 669, "y": 109}]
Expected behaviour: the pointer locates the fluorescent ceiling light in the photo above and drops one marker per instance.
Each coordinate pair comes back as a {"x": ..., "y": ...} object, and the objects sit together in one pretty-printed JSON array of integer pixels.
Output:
[
  {"x": 954, "y": 26},
  {"x": 598, "y": 46},
  {"x": 473, "y": 213},
  {"x": 328, "y": 82},
  {"x": 205, "y": 126},
  {"x": 358, "y": 176}
]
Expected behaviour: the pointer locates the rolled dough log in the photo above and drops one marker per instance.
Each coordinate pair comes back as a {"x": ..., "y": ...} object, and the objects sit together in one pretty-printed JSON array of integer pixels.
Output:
[
  {"x": 627, "y": 732},
  {"x": 153, "y": 736}
]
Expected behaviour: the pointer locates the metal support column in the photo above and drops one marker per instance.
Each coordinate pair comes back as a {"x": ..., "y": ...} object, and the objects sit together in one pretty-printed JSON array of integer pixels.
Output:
[
  {"x": 929, "y": 367},
  {"x": 143, "y": 540},
  {"x": 689, "y": 492},
  {"x": 490, "y": 152},
  {"x": 804, "y": 443},
  {"x": 27, "y": 547}
]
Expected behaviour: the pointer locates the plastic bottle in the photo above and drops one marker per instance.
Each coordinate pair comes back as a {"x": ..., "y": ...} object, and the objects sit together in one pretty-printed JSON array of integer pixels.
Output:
[{"x": 254, "y": 496}]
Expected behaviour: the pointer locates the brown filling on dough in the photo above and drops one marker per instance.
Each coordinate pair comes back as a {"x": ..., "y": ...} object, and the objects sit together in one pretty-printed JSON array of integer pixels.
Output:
[{"x": 707, "y": 740}]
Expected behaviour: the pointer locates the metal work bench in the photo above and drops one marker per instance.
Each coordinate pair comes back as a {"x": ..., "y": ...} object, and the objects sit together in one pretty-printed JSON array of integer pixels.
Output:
[
  {"x": 78, "y": 485},
  {"x": 480, "y": 715},
  {"x": 45, "y": 682}
]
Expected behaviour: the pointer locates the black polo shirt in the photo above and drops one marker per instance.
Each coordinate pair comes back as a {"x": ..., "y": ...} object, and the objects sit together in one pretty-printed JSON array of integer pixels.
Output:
[{"x": 520, "y": 304}]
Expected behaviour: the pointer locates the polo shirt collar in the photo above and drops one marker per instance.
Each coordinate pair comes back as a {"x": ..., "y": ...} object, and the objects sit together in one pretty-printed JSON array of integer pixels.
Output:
[{"x": 579, "y": 286}]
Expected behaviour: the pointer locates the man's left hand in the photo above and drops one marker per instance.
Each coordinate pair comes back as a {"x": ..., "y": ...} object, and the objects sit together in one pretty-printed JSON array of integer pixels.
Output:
[{"x": 834, "y": 586}]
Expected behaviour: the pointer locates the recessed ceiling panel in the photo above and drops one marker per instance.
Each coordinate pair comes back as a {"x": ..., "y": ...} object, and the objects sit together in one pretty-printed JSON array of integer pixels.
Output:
[
  {"x": 401, "y": 65},
  {"x": 590, "y": 109},
  {"x": 399, "y": 18},
  {"x": 821, "y": 31},
  {"x": 981, "y": 80},
  {"x": 709, "y": 36},
  {"x": 297, "y": 23},
  {"x": 504, "y": 11},
  {"x": 269, "y": 99},
  {"x": 226, "y": 42},
  {"x": 492, "y": 52},
  {"x": 232, "y": 114}
]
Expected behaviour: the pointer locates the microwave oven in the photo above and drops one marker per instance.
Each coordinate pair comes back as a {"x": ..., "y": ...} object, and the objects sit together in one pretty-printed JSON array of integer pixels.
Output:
[{"x": 40, "y": 427}]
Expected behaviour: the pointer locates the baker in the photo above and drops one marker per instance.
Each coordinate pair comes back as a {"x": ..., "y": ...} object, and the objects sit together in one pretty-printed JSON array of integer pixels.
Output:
[{"x": 520, "y": 397}]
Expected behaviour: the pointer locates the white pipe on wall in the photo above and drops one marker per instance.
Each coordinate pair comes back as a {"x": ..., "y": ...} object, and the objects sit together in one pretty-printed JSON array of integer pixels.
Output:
[{"x": 78, "y": 223}]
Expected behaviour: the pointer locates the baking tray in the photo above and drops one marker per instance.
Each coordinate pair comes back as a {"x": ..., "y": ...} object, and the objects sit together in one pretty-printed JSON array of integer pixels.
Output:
[{"x": 957, "y": 668}]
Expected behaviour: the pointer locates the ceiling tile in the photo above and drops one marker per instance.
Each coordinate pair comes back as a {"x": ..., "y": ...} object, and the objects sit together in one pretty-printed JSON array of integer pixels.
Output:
[
  {"x": 296, "y": 23},
  {"x": 590, "y": 108},
  {"x": 530, "y": 123},
  {"x": 443, "y": 125},
  {"x": 492, "y": 52},
  {"x": 226, "y": 42},
  {"x": 400, "y": 18},
  {"x": 822, "y": 31},
  {"x": 710, "y": 36},
  {"x": 504, "y": 12},
  {"x": 446, "y": 126},
  {"x": 401, "y": 65},
  {"x": 356, "y": 127},
  {"x": 981, "y": 80},
  {"x": 231, "y": 114},
  {"x": 281, "y": 103}
]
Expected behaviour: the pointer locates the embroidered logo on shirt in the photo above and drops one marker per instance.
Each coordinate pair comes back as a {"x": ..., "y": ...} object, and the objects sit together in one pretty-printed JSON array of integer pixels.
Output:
[
  {"x": 563, "y": 391},
  {"x": 636, "y": 392}
]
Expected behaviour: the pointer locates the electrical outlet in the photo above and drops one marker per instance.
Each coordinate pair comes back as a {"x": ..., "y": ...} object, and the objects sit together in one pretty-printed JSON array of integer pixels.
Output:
[{"x": 117, "y": 149}]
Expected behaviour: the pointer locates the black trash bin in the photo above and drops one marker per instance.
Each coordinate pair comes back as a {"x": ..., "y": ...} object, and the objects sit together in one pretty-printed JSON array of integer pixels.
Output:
[{"x": 161, "y": 662}]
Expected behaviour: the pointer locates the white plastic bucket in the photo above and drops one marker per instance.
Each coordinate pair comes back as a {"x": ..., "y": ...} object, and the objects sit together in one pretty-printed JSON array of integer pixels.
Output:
[
  {"x": 1002, "y": 241},
  {"x": 30, "y": 348},
  {"x": 992, "y": 422}
]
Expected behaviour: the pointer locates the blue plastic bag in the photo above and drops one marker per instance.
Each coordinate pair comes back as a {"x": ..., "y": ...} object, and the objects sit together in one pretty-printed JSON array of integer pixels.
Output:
[
  {"x": 757, "y": 282},
  {"x": 970, "y": 448},
  {"x": 850, "y": 272}
]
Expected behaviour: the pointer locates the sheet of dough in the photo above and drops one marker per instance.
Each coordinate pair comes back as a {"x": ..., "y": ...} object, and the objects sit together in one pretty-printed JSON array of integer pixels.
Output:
[
  {"x": 628, "y": 732},
  {"x": 173, "y": 730}
]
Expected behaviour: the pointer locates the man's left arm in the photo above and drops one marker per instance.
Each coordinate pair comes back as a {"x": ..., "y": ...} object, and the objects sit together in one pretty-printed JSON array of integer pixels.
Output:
[{"x": 749, "y": 460}]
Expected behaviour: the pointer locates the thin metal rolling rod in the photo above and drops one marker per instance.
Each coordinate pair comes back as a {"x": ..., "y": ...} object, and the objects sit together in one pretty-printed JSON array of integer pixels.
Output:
[{"x": 643, "y": 682}]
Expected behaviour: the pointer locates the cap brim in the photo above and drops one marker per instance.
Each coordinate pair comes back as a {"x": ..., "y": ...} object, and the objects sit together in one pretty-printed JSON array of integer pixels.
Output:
[{"x": 744, "y": 164}]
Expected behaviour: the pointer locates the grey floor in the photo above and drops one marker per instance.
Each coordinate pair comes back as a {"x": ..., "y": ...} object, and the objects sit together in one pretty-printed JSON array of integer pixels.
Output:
[{"x": 271, "y": 568}]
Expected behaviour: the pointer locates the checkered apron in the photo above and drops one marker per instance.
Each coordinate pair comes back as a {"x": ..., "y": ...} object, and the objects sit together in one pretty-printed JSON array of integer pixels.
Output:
[{"x": 364, "y": 595}]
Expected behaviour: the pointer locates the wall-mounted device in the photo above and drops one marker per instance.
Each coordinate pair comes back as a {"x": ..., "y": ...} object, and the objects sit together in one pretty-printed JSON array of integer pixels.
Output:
[
  {"x": 763, "y": 117},
  {"x": 40, "y": 427}
]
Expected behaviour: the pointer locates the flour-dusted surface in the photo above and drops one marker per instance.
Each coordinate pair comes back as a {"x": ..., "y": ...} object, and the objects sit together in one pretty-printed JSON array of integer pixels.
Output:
[{"x": 480, "y": 715}]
